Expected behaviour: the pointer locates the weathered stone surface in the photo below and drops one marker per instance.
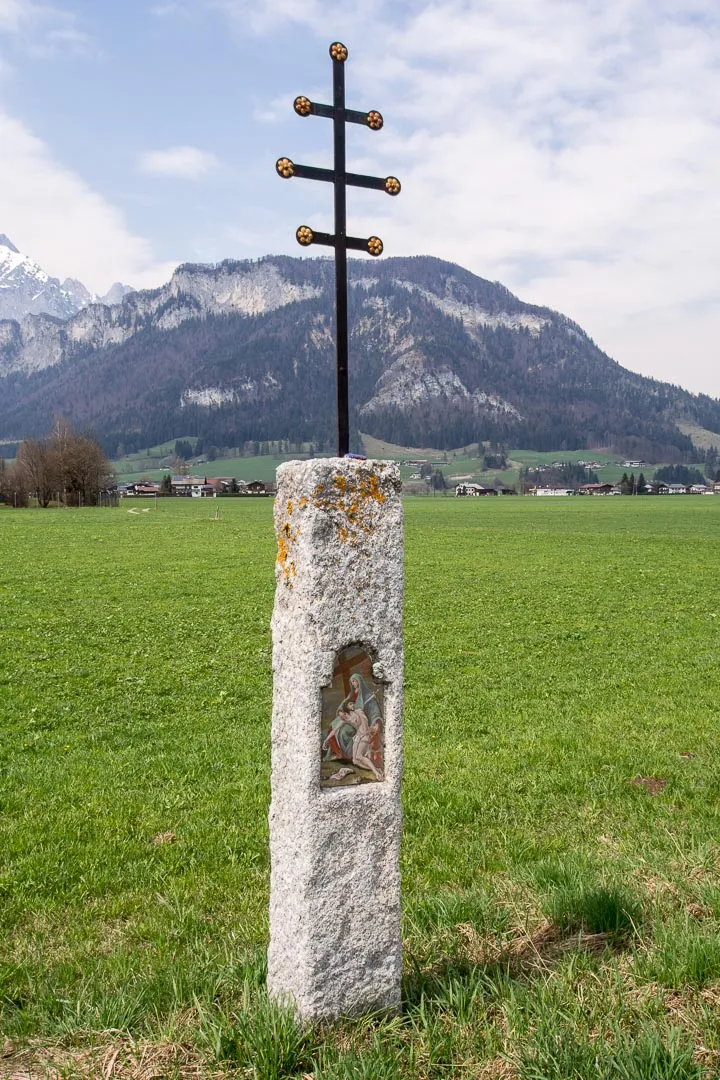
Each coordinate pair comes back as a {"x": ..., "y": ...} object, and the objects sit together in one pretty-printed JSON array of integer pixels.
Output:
[{"x": 335, "y": 880}]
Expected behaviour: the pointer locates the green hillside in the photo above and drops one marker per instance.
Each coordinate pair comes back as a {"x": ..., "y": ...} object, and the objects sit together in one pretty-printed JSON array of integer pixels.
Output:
[{"x": 464, "y": 464}]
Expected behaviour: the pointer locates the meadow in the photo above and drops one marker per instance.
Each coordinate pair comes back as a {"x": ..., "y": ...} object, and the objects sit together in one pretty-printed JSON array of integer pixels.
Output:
[
  {"x": 465, "y": 462},
  {"x": 561, "y": 853}
]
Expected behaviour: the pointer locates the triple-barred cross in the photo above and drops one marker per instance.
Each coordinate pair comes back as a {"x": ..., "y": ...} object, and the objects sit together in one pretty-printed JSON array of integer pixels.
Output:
[{"x": 339, "y": 240}]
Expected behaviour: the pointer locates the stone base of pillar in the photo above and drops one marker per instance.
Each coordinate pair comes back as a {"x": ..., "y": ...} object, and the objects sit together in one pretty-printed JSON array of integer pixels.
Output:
[{"x": 335, "y": 818}]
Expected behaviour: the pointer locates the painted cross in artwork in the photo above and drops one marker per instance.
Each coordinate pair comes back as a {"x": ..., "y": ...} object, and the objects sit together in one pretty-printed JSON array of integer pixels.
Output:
[{"x": 352, "y": 735}]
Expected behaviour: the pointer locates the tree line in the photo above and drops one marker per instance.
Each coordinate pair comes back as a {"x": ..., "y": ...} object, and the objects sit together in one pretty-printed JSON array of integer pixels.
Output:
[
  {"x": 65, "y": 467},
  {"x": 683, "y": 474},
  {"x": 565, "y": 474}
]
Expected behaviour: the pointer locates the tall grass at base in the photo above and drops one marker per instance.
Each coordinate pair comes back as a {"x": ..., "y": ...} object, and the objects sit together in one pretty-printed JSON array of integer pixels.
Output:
[
  {"x": 647, "y": 1054},
  {"x": 260, "y": 1037},
  {"x": 575, "y": 900},
  {"x": 385, "y": 1053},
  {"x": 682, "y": 953},
  {"x": 653, "y": 1055}
]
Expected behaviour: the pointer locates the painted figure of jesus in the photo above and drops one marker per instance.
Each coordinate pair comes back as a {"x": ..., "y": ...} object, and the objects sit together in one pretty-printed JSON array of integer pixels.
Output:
[{"x": 364, "y": 738}]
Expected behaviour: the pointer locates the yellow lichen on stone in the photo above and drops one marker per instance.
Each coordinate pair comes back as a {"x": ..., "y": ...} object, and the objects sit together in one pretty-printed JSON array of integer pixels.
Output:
[
  {"x": 374, "y": 491},
  {"x": 349, "y": 501},
  {"x": 289, "y": 507},
  {"x": 286, "y": 539}
]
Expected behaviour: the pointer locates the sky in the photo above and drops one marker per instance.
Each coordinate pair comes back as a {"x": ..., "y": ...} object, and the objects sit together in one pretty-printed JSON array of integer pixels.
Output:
[{"x": 567, "y": 148}]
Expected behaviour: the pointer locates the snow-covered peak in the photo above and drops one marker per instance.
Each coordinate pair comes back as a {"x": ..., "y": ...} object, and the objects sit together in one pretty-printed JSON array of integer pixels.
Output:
[
  {"x": 26, "y": 289},
  {"x": 77, "y": 292},
  {"x": 18, "y": 271}
]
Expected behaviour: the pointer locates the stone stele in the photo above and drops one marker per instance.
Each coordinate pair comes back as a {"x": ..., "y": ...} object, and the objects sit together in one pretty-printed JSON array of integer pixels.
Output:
[{"x": 335, "y": 879}]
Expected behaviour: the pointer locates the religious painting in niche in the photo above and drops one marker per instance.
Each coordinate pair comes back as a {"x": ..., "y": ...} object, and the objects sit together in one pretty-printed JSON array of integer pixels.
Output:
[{"x": 352, "y": 726}]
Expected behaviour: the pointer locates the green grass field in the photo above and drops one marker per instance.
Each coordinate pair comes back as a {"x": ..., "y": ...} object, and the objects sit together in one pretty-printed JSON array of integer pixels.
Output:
[
  {"x": 561, "y": 917},
  {"x": 242, "y": 468}
]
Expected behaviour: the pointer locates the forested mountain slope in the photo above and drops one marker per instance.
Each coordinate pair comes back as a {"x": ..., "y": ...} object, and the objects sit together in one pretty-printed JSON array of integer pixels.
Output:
[{"x": 244, "y": 350}]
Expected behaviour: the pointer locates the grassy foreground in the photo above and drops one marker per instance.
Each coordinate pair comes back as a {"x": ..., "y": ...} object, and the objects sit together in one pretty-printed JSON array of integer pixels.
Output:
[{"x": 561, "y": 858}]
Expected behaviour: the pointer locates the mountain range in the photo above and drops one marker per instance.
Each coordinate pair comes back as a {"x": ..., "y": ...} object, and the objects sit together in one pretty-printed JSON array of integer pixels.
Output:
[
  {"x": 26, "y": 289},
  {"x": 243, "y": 351}
]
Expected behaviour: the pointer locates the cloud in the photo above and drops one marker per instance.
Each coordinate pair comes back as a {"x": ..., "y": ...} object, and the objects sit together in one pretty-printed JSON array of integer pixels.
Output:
[
  {"x": 46, "y": 30},
  {"x": 273, "y": 112},
  {"x": 571, "y": 150},
  {"x": 47, "y": 209},
  {"x": 52, "y": 215},
  {"x": 65, "y": 41},
  {"x": 266, "y": 16},
  {"x": 12, "y": 12},
  {"x": 186, "y": 162},
  {"x": 170, "y": 9}
]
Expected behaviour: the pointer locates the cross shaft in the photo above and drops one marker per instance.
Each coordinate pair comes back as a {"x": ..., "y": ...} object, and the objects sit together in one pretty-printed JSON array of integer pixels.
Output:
[
  {"x": 339, "y": 240},
  {"x": 341, "y": 286}
]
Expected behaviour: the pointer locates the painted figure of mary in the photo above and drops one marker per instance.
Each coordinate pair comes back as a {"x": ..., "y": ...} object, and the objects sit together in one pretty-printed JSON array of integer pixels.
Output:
[{"x": 338, "y": 745}]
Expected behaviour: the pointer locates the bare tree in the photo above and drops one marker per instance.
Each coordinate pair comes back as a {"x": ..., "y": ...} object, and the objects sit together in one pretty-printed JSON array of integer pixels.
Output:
[
  {"x": 178, "y": 466},
  {"x": 66, "y": 463},
  {"x": 13, "y": 486},
  {"x": 83, "y": 468},
  {"x": 38, "y": 465}
]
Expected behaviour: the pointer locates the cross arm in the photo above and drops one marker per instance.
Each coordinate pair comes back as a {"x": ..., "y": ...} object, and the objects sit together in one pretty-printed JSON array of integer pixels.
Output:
[
  {"x": 305, "y": 107},
  {"x": 389, "y": 184},
  {"x": 287, "y": 169},
  {"x": 372, "y": 245}
]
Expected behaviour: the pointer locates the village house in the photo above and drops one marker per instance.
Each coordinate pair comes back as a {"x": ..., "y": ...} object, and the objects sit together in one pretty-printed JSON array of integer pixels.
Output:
[
  {"x": 142, "y": 487},
  {"x": 260, "y": 487},
  {"x": 474, "y": 489},
  {"x": 192, "y": 487},
  {"x": 225, "y": 484}
]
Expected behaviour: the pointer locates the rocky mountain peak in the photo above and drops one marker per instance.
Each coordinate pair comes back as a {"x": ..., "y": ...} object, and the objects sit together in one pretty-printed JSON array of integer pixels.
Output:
[
  {"x": 26, "y": 289},
  {"x": 77, "y": 292},
  {"x": 116, "y": 292}
]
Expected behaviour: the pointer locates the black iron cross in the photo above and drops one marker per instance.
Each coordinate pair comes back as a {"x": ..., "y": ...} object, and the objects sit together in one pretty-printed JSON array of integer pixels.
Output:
[{"x": 339, "y": 239}]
